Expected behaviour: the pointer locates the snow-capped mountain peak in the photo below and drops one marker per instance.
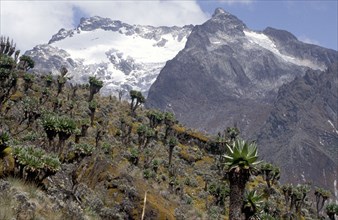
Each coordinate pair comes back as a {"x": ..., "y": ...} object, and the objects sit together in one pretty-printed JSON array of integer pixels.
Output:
[{"x": 122, "y": 55}]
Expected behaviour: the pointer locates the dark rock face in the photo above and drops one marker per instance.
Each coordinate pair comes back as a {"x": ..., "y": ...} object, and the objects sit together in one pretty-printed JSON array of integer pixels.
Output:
[
  {"x": 301, "y": 133},
  {"x": 229, "y": 75},
  {"x": 288, "y": 43}
]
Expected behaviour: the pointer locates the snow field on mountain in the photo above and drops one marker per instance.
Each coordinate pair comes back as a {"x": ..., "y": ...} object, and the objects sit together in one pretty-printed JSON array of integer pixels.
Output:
[
  {"x": 91, "y": 47},
  {"x": 120, "y": 59}
]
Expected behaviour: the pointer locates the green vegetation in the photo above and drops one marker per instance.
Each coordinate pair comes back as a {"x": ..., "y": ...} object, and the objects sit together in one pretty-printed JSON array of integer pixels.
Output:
[
  {"x": 332, "y": 210},
  {"x": 136, "y": 100},
  {"x": 94, "y": 87},
  {"x": 62, "y": 79}
]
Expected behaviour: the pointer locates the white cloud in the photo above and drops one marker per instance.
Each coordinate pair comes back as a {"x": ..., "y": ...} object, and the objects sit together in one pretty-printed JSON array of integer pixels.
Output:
[
  {"x": 308, "y": 40},
  {"x": 30, "y": 23},
  {"x": 147, "y": 12},
  {"x": 233, "y": 2},
  {"x": 34, "y": 22}
]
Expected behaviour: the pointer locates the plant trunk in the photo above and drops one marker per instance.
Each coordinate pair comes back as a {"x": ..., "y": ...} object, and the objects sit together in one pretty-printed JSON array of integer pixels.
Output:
[
  {"x": 91, "y": 96},
  {"x": 132, "y": 105},
  {"x": 92, "y": 116},
  {"x": 77, "y": 138},
  {"x": 84, "y": 129},
  {"x": 331, "y": 216},
  {"x": 237, "y": 186},
  {"x": 171, "y": 149},
  {"x": 317, "y": 204}
]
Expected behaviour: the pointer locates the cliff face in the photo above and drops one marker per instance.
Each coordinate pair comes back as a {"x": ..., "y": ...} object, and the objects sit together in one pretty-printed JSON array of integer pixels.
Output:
[{"x": 301, "y": 133}]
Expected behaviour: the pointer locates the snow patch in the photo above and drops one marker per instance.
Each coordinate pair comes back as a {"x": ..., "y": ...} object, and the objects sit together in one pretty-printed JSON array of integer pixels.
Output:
[
  {"x": 265, "y": 42},
  {"x": 334, "y": 128}
]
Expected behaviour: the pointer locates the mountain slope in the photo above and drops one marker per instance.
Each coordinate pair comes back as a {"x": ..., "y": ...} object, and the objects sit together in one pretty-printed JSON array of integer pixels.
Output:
[
  {"x": 230, "y": 75},
  {"x": 301, "y": 133},
  {"x": 124, "y": 56}
]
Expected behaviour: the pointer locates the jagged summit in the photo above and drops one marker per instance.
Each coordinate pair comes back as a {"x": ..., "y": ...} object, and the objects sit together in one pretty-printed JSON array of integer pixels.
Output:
[
  {"x": 95, "y": 22},
  {"x": 219, "y": 12},
  {"x": 224, "y": 21}
]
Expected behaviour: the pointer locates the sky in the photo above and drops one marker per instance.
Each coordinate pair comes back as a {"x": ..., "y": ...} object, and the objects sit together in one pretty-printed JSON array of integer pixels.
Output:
[{"x": 30, "y": 23}]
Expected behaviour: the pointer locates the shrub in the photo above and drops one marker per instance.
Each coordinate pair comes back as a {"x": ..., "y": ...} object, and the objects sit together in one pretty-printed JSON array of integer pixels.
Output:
[
  {"x": 83, "y": 149},
  {"x": 33, "y": 161},
  {"x": 94, "y": 86}
]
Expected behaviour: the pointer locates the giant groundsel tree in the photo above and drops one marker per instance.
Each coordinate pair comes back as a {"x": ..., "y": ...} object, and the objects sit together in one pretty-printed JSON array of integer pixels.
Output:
[{"x": 240, "y": 162}]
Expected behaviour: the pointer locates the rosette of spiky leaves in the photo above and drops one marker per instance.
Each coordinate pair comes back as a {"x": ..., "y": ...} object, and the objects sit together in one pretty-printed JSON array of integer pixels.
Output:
[
  {"x": 51, "y": 163},
  {"x": 84, "y": 149},
  {"x": 33, "y": 163},
  {"x": 150, "y": 133},
  {"x": 7, "y": 64},
  {"x": 220, "y": 191},
  {"x": 241, "y": 156},
  {"x": 36, "y": 158},
  {"x": 93, "y": 105},
  {"x": 30, "y": 104},
  {"x": 155, "y": 118},
  {"x": 94, "y": 85},
  {"x": 232, "y": 133},
  {"x": 17, "y": 150},
  {"x": 331, "y": 210},
  {"x": 169, "y": 118},
  {"x": 26, "y": 63},
  {"x": 37, "y": 152},
  {"x": 66, "y": 126},
  {"x": 4, "y": 138},
  {"x": 30, "y": 157},
  {"x": 50, "y": 125},
  {"x": 266, "y": 216},
  {"x": 28, "y": 77},
  {"x": 95, "y": 82},
  {"x": 136, "y": 96},
  {"x": 49, "y": 79},
  {"x": 252, "y": 203},
  {"x": 321, "y": 196},
  {"x": 270, "y": 173},
  {"x": 141, "y": 130}
]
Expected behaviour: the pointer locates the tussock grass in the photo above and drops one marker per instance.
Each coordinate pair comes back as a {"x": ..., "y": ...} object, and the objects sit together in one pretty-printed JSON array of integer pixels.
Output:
[{"x": 6, "y": 206}]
